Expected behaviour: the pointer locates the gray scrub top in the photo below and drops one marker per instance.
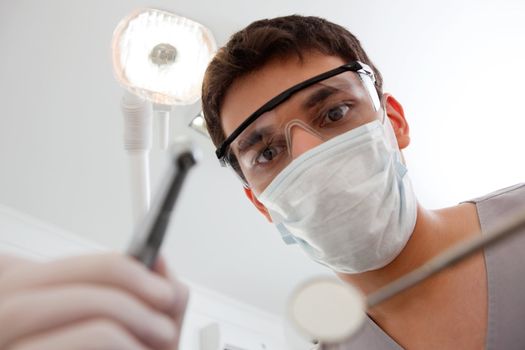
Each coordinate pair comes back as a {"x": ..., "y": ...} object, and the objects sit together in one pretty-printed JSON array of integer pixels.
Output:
[{"x": 505, "y": 265}]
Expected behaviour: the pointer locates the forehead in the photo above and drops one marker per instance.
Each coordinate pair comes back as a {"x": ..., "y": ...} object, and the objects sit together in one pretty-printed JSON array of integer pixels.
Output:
[{"x": 250, "y": 92}]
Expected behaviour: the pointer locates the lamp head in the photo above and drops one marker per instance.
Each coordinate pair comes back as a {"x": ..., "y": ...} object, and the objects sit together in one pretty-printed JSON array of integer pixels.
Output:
[{"x": 161, "y": 56}]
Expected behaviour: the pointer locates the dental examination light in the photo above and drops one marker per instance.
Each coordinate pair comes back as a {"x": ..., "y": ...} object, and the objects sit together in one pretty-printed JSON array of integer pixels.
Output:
[
  {"x": 160, "y": 59},
  {"x": 329, "y": 311}
]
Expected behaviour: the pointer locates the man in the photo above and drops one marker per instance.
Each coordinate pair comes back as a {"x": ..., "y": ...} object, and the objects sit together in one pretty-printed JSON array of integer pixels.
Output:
[
  {"x": 102, "y": 302},
  {"x": 296, "y": 109}
]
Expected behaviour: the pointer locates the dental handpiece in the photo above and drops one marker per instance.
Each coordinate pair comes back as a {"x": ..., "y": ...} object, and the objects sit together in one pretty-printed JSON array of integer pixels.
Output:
[{"x": 149, "y": 234}]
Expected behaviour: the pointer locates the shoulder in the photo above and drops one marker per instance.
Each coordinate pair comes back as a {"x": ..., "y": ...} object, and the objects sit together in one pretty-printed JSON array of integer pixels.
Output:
[
  {"x": 511, "y": 193},
  {"x": 496, "y": 204},
  {"x": 505, "y": 266},
  {"x": 369, "y": 337}
]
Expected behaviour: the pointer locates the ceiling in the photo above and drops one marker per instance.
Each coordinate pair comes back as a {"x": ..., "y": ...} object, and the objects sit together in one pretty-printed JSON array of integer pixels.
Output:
[{"x": 456, "y": 67}]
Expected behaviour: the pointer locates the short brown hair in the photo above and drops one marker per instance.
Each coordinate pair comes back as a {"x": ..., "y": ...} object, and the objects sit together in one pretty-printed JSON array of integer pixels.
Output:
[{"x": 251, "y": 48}]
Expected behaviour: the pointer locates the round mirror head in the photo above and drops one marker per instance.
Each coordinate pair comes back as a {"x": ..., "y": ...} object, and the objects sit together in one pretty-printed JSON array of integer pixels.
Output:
[{"x": 327, "y": 310}]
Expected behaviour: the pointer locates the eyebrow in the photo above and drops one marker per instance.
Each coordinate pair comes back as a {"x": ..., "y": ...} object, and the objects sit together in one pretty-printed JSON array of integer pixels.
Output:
[
  {"x": 319, "y": 96},
  {"x": 254, "y": 138}
]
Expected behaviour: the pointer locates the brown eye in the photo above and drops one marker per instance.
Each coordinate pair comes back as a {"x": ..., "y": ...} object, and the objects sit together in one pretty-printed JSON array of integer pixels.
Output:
[
  {"x": 336, "y": 113},
  {"x": 268, "y": 154}
]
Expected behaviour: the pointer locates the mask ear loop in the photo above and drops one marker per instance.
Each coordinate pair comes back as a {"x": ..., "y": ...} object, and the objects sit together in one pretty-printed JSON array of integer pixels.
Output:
[
  {"x": 288, "y": 133},
  {"x": 392, "y": 140}
]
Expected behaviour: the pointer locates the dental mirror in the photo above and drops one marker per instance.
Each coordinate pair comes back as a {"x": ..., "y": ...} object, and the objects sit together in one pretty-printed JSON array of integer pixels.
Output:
[{"x": 326, "y": 310}]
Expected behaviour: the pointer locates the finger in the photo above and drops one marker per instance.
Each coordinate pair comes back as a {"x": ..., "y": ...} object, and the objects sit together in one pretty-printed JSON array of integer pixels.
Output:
[
  {"x": 179, "y": 309},
  {"x": 43, "y": 310},
  {"x": 180, "y": 304},
  {"x": 106, "y": 269},
  {"x": 94, "y": 334},
  {"x": 161, "y": 267},
  {"x": 8, "y": 261}
]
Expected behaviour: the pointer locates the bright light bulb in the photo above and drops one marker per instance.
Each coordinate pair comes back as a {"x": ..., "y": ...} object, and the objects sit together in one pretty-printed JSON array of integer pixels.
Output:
[{"x": 162, "y": 56}]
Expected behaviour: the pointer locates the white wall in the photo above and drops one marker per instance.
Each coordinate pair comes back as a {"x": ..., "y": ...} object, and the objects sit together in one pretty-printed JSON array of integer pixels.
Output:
[{"x": 248, "y": 327}]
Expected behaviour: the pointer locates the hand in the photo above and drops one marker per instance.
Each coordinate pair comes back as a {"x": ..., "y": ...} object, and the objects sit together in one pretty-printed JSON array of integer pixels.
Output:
[{"x": 105, "y": 301}]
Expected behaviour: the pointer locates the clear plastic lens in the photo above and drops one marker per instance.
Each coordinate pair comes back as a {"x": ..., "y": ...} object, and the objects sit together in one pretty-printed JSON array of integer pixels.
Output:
[{"x": 161, "y": 56}]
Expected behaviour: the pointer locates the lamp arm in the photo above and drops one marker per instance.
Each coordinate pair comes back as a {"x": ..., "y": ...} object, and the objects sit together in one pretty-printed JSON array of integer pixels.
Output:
[{"x": 137, "y": 143}]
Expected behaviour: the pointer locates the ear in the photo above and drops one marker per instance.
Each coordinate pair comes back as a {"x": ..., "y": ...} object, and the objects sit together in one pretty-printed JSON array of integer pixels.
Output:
[
  {"x": 257, "y": 204},
  {"x": 395, "y": 113}
]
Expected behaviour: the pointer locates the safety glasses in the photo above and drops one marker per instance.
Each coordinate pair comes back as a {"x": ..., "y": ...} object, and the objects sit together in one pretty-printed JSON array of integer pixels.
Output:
[{"x": 324, "y": 106}]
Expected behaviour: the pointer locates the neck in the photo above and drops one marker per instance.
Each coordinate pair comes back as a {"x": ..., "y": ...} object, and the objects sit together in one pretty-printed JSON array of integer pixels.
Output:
[{"x": 434, "y": 232}]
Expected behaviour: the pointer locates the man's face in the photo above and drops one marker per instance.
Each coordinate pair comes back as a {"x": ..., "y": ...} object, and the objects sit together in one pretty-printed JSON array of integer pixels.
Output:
[{"x": 249, "y": 93}]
